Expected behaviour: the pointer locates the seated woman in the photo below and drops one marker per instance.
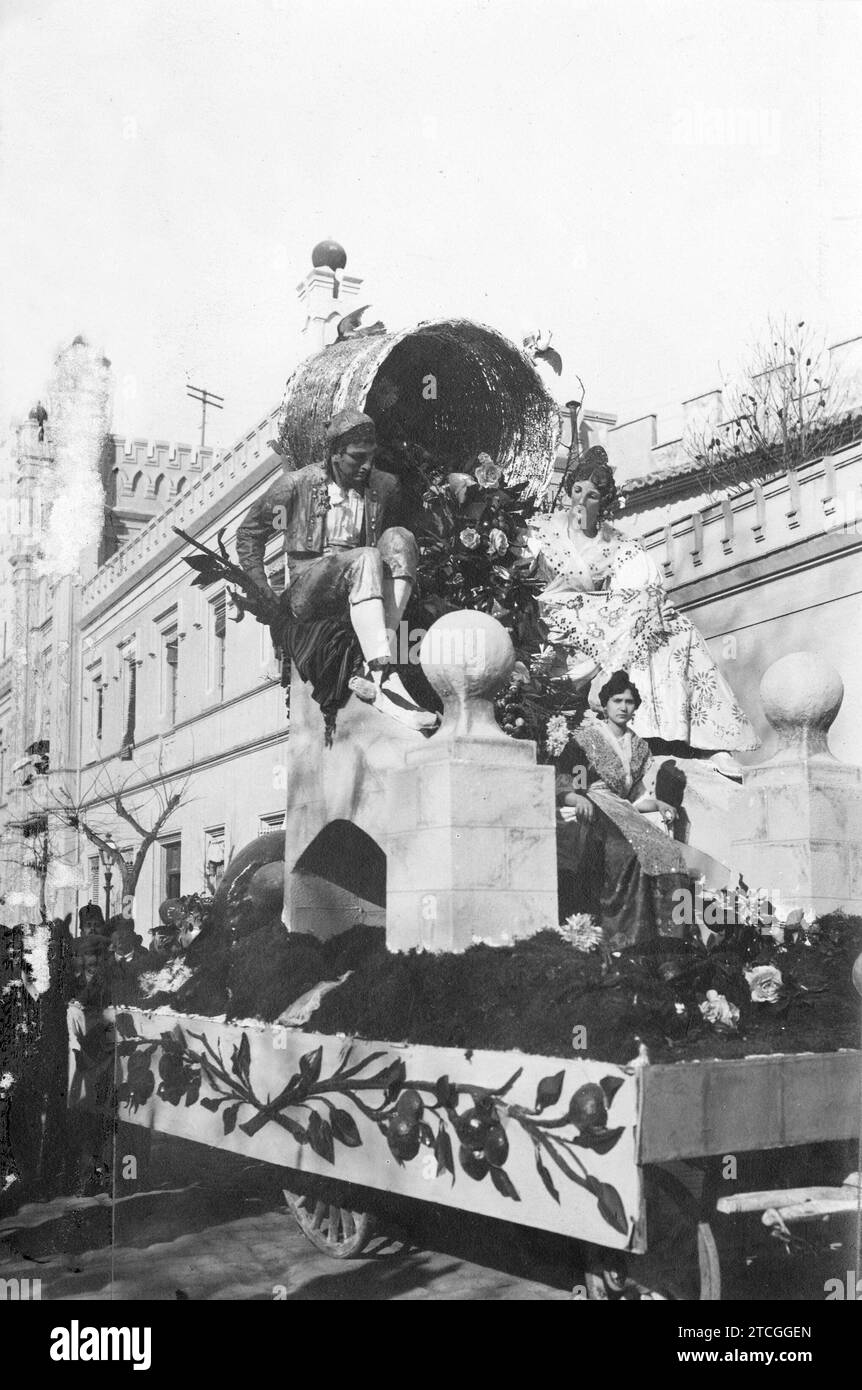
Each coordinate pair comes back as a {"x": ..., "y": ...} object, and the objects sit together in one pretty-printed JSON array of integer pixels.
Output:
[
  {"x": 606, "y": 608},
  {"x": 610, "y": 859}
]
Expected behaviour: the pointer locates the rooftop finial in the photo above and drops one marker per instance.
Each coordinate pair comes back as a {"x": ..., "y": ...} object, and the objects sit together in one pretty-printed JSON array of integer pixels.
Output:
[{"x": 329, "y": 253}]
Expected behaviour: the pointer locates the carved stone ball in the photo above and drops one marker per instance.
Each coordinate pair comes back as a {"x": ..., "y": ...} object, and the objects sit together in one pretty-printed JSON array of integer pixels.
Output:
[
  {"x": 329, "y": 253},
  {"x": 467, "y": 656},
  {"x": 801, "y": 695}
]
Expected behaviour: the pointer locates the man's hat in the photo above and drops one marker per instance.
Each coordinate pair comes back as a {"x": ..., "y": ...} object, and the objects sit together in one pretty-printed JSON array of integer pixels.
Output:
[{"x": 359, "y": 427}]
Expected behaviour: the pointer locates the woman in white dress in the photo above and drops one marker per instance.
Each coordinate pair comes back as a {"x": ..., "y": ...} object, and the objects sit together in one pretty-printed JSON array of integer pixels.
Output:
[{"x": 606, "y": 610}]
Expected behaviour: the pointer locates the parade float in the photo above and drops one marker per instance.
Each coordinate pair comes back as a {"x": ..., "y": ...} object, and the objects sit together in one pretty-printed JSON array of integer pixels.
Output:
[{"x": 470, "y": 1052}]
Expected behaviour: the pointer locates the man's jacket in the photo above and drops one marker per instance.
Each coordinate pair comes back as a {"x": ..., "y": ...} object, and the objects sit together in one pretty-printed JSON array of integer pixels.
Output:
[{"x": 297, "y": 504}]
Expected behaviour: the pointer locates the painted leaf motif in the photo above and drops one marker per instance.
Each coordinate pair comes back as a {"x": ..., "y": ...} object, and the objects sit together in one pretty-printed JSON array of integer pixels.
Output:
[
  {"x": 443, "y": 1153},
  {"x": 549, "y": 1090},
  {"x": 503, "y": 1183},
  {"x": 139, "y": 1063},
  {"x": 445, "y": 1093},
  {"x": 611, "y": 1207},
  {"x": 256, "y": 1123},
  {"x": 309, "y": 1066},
  {"x": 212, "y": 1102},
  {"x": 546, "y": 1177},
  {"x": 229, "y": 1118},
  {"x": 610, "y": 1085},
  {"x": 504, "y": 1089},
  {"x": 344, "y": 1128},
  {"x": 241, "y": 1060},
  {"x": 299, "y": 1133},
  {"x": 193, "y": 1092},
  {"x": 125, "y": 1026},
  {"x": 601, "y": 1141},
  {"x": 320, "y": 1137}
]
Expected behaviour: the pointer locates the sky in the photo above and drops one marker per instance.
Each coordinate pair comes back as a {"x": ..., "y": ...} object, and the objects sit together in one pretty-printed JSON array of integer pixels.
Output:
[{"x": 651, "y": 181}]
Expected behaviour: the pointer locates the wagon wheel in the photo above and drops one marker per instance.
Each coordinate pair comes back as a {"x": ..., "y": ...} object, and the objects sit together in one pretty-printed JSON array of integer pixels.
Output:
[
  {"x": 681, "y": 1263},
  {"x": 338, "y": 1230}
]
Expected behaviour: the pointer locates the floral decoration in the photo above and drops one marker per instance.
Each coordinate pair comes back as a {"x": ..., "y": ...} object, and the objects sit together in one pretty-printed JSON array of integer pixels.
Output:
[
  {"x": 765, "y": 983},
  {"x": 466, "y": 1127}
]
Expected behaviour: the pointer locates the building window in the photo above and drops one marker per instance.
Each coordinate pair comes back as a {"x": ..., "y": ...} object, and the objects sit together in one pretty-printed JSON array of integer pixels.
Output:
[
  {"x": 219, "y": 644},
  {"x": 128, "y": 687},
  {"x": 97, "y": 702},
  {"x": 171, "y": 868},
  {"x": 94, "y": 878},
  {"x": 170, "y": 668},
  {"x": 273, "y": 822},
  {"x": 214, "y": 858}
]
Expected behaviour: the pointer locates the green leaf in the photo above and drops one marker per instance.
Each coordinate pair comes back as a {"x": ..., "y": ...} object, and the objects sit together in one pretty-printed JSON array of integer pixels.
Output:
[
  {"x": 229, "y": 1118},
  {"x": 503, "y": 1183},
  {"x": 549, "y": 1090},
  {"x": 320, "y": 1137},
  {"x": 344, "y": 1128},
  {"x": 546, "y": 1177}
]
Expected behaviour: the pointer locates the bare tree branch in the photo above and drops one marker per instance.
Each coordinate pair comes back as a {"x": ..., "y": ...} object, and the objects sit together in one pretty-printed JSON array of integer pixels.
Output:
[{"x": 787, "y": 406}]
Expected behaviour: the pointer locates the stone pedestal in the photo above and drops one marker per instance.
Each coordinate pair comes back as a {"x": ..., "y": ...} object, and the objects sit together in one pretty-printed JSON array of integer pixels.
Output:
[
  {"x": 472, "y": 846},
  {"x": 798, "y": 817},
  {"x": 475, "y": 856},
  {"x": 454, "y": 834}
]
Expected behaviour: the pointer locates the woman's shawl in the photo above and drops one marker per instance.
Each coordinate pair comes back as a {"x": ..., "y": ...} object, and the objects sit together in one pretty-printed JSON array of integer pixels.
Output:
[{"x": 610, "y": 788}]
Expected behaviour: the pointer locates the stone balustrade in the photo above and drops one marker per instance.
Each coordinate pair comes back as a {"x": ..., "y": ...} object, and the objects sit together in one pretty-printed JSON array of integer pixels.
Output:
[{"x": 821, "y": 498}]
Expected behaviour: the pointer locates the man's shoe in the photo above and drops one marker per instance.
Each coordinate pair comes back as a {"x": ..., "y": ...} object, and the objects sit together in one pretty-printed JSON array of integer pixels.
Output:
[
  {"x": 415, "y": 718},
  {"x": 394, "y": 700},
  {"x": 363, "y": 687}
]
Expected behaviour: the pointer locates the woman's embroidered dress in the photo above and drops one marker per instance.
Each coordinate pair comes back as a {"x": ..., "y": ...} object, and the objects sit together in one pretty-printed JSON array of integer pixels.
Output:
[{"x": 605, "y": 601}]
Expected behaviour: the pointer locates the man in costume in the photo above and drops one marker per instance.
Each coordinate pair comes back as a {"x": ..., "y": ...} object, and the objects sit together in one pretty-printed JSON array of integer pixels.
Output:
[{"x": 345, "y": 552}]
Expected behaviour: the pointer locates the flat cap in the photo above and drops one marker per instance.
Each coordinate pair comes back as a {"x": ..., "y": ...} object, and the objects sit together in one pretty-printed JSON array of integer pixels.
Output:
[{"x": 349, "y": 422}]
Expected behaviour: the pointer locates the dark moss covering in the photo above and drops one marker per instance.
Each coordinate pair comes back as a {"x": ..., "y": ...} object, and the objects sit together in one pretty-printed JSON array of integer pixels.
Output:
[{"x": 530, "y": 996}]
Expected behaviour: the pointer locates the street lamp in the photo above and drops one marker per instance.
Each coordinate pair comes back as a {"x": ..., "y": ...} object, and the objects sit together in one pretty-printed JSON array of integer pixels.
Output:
[{"x": 108, "y": 862}]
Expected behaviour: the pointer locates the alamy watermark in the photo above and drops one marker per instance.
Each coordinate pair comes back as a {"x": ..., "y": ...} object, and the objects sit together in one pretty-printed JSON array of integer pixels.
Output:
[{"x": 753, "y": 127}]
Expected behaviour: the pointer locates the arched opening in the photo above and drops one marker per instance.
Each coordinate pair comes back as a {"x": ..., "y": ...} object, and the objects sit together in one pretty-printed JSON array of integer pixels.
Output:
[
  {"x": 339, "y": 880},
  {"x": 181, "y": 482},
  {"x": 136, "y": 480},
  {"x": 344, "y": 855},
  {"x": 158, "y": 485}
]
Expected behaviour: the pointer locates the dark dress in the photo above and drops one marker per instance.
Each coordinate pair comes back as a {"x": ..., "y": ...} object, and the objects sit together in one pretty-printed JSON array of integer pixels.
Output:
[{"x": 618, "y": 866}]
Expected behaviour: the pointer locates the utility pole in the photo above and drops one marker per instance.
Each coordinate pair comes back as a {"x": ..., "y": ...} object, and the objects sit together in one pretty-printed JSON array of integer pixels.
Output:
[{"x": 206, "y": 398}]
